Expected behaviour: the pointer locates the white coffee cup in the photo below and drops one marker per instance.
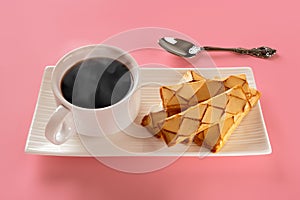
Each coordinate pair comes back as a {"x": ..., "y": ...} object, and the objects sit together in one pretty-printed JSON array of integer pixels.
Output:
[{"x": 69, "y": 119}]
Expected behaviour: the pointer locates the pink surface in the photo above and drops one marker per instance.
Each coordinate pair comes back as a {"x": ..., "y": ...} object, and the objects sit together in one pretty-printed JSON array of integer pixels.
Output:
[{"x": 37, "y": 33}]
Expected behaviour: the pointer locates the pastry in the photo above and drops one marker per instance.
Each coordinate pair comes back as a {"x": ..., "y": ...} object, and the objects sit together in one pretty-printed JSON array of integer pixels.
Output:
[
  {"x": 210, "y": 123},
  {"x": 202, "y": 111},
  {"x": 177, "y": 98}
]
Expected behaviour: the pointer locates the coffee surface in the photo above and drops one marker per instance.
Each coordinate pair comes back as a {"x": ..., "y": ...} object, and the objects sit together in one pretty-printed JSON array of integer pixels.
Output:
[{"x": 96, "y": 82}]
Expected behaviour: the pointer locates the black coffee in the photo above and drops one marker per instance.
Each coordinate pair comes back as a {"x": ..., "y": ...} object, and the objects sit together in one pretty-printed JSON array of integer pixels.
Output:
[{"x": 96, "y": 82}]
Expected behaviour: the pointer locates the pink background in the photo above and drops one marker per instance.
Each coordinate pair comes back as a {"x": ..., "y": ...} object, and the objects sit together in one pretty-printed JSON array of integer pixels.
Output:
[{"x": 37, "y": 33}]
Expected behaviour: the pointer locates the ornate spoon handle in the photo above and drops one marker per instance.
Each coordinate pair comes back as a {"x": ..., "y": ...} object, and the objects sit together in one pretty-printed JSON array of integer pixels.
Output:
[{"x": 261, "y": 52}]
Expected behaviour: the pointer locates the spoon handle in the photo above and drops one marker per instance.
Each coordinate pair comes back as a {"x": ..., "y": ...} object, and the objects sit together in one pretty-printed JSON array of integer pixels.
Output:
[{"x": 261, "y": 52}]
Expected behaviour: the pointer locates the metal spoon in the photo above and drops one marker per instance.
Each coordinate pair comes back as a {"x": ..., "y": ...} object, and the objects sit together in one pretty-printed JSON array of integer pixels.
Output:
[{"x": 187, "y": 49}]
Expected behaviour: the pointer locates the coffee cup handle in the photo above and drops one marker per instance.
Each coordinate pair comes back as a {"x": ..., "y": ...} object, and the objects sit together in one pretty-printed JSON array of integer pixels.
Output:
[{"x": 60, "y": 126}]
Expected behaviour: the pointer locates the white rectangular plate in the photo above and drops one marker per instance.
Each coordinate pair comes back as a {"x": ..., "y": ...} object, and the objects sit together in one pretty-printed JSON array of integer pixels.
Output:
[{"x": 250, "y": 138}]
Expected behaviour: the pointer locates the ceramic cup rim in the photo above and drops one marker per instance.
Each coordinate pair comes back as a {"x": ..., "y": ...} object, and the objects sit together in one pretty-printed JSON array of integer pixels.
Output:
[{"x": 56, "y": 85}]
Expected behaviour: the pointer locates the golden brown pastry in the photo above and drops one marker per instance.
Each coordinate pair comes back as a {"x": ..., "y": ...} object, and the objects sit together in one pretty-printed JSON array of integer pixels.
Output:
[
  {"x": 191, "y": 76},
  {"x": 177, "y": 98},
  {"x": 152, "y": 120},
  {"x": 202, "y": 111}
]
